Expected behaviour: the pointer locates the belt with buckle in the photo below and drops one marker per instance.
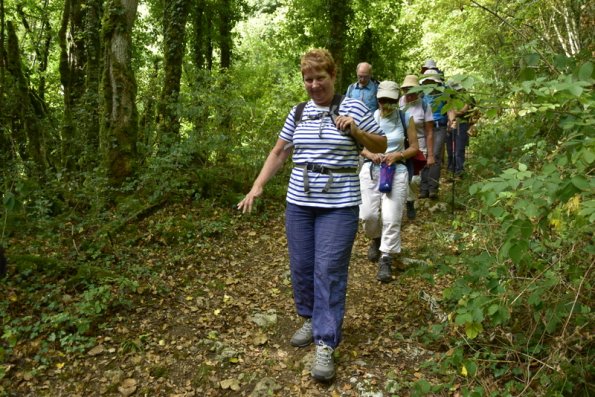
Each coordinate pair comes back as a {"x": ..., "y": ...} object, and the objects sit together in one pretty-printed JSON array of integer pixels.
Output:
[{"x": 320, "y": 169}]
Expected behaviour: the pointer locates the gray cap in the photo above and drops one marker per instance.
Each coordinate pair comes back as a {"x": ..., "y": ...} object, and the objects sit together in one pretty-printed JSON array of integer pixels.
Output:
[{"x": 430, "y": 64}]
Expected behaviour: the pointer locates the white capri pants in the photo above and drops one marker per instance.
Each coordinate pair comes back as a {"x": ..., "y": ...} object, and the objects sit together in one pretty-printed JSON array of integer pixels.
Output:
[{"x": 381, "y": 213}]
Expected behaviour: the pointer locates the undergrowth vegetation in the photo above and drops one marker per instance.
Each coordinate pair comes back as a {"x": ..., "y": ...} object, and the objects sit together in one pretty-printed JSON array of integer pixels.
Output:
[
  {"x": 522, "y": 298},
  {"x": 520, "y": 315}
]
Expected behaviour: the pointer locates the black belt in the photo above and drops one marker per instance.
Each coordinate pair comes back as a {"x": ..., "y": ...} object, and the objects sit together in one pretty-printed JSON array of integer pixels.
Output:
[
  {"x": 321, "y": 169},
  {"x": 441, "y": 123}
]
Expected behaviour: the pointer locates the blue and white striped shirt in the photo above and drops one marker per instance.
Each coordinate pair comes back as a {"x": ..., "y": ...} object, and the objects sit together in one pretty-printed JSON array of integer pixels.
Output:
[{"x": 317, "y": 141}]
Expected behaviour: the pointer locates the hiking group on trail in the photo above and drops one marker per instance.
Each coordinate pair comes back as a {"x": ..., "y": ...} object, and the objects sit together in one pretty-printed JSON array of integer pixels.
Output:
[{"x": 330, "y": 190}]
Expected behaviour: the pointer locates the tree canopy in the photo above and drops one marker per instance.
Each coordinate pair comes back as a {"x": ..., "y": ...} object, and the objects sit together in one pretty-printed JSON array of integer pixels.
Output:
[{"x": 113, "y": 109}]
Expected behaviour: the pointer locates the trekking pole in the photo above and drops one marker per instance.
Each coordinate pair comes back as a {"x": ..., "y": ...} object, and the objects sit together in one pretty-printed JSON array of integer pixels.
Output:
[{"x": 454, "y": 164}]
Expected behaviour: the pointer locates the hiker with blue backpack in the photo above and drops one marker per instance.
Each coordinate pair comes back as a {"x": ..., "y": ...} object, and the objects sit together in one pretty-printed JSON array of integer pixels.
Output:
[
  {"x": 429, "y": 187},
  {"x": 365, "y": 87},
  {"x": 384, "y": 181},
  {"x": 324, "y": 136}
]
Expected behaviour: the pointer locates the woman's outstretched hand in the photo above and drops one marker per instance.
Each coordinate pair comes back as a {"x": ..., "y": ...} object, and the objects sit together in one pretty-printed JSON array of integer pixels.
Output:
[{"x": 246, "y": 204}]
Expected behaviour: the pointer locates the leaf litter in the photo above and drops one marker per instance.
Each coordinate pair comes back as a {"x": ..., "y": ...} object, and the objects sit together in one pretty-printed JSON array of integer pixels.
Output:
[{"x": 220, "y": 321}]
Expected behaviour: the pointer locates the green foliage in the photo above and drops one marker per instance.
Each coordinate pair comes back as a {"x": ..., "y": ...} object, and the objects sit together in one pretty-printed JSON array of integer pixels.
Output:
[
  {"x": 527, "y": 290},
  {"x": 60, "y": 319},
  {"x": 520, "y": 303}
]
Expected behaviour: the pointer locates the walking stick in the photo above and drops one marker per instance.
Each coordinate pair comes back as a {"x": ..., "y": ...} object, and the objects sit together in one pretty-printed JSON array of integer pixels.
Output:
[{"x": 454, "y": 164}]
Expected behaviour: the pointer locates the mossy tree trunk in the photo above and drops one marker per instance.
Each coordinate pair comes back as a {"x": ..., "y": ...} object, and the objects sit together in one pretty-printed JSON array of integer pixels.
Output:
[
  {"x": 72, "y": 77},
  {"x": 6, "y": 153},
  {"x": 174, "y": 26},
  {"x": 339, "y": 12},
  {"x": 202, "y": 42},
  {"x": 119, "y": 125},
  {"x": 93, "y": 73},
  {"x": 80, "y": 56},
  {"x": 226, "y": 23},
  {"x": 26, "y": 109}
]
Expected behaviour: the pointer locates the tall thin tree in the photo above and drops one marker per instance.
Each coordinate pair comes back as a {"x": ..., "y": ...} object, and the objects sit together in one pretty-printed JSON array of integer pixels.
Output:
[
  {"x": 174, "y": 26},
  {"x": 26, "y": 128},
  {"x": 80, "y": 47},
  {"x": 72, "y": 77},
  {"x": 119, "y": 128}
]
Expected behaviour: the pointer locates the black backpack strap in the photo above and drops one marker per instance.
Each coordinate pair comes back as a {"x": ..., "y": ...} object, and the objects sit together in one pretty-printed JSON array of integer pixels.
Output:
[
  {"x": 402, "y": 116},
  {"x": 336, "y": 104},
  {"x": 299, "y": 110}
]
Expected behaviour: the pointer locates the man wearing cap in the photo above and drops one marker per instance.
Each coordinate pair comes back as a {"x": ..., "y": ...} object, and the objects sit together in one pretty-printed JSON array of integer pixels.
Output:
[
  {"x": 428, "y": 64},
  {"x": 365, "y": 88},
  {"x": 430, "y": 188}
]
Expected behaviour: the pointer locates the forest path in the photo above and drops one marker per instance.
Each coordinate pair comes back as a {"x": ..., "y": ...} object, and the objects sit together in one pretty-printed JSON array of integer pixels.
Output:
[{"x": 219, "y": 321}]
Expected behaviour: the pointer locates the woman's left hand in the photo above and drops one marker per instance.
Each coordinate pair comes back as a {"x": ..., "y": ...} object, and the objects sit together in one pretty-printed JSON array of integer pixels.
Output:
[
  {"x": 392, "y": 157},
  {"x": 345, "y": 124}
]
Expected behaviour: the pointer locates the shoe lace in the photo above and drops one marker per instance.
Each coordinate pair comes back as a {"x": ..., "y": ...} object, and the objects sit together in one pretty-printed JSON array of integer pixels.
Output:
[
  {"x": 306, "y": 328},
  {"x": 324, "y": 354}
]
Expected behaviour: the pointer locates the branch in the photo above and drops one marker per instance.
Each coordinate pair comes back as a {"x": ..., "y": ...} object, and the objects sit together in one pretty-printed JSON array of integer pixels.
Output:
[
  {"x": 549, "y": 65},
  {"x": 580, "y": 286}
]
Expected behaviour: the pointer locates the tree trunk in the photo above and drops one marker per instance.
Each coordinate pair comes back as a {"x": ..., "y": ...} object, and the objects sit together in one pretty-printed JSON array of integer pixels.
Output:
[
  {"x": 202, "y": 48},
  {"x": 79, "y": 74},
  {"x": 46, "y": 48},
  {"x": 25, "y": 109},
  {"x": 72, "y": 77},
  {"x": 6, "y": 152},
  {"x": 119, "y": 127},
  {"x": 339, "y": 11},
  {"x": 93, "y": 72},
  {"x": 174, "y": 22},
  {"x": 225, "y": 26}
]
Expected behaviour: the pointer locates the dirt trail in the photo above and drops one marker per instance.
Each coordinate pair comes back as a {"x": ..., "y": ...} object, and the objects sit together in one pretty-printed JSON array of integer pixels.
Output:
[{"x": 219, "y": 323}]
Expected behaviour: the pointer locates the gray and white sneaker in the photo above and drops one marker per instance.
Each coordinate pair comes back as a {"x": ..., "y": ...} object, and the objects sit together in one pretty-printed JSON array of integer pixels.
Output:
[
  {"x": 323, "y": 368},
  {"x": 303, "y": 336}
]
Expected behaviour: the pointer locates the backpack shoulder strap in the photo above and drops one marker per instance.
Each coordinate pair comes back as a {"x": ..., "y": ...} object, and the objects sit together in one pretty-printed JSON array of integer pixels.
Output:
[
  {"x": 336, "y": 104},
  {"x": 299, "y": 110},
  {"x": 402, "y": 116}
]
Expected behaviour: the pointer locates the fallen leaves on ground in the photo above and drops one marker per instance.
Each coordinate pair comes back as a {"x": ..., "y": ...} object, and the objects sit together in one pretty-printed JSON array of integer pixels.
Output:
[{"x": 220, "y": 322}]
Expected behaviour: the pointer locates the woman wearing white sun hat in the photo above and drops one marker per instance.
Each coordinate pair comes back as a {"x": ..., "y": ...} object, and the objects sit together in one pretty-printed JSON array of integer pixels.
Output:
[
  {"x": 382, "y": 212},
  {"x": 413, "y": 106}
]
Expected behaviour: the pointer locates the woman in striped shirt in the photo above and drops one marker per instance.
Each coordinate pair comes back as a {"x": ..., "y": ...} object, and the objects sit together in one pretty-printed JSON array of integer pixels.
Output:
[{"x": 323, "y": 196}]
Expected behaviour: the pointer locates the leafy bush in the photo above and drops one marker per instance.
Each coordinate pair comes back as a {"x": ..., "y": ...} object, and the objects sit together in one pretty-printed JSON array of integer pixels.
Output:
[{"x": 523, "y": 300}]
